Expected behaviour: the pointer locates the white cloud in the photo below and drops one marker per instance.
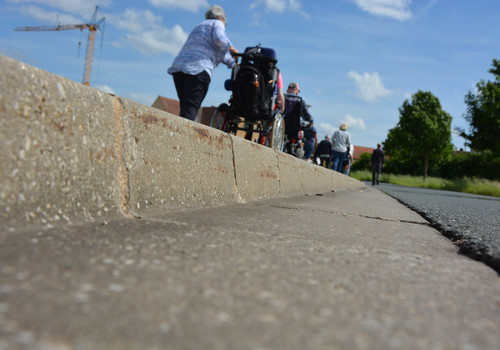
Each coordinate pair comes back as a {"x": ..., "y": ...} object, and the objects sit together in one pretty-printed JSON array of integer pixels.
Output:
[
  {"x": 145, "y": 99},
  {"x": 105, "y": 88},
  {"x": 271, "y": 5},
  {"x": 135, "y": 21},
  {"x": 397, "y": 9},
  {"x": 325, "y": 129},
  {"x": 145, "y": 33},
  {"x": 73, "y": 6},
  {"x": 59, "y": 12},
  {"x": 353, "y": 123},
  {"x": 370, "y": 86},
  {"x": 278, "y": 6},
  {"x": 47, "y": 17},
  {"x": 159, "y": 40},
  {"x": 189, "y": 5}
]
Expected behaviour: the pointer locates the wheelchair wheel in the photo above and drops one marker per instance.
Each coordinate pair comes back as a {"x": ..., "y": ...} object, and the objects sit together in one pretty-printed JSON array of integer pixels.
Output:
[
  {"x": 219, "y": 117},
  {"x": 277, "y": 139},
  {"x": 300, "y": 152}
]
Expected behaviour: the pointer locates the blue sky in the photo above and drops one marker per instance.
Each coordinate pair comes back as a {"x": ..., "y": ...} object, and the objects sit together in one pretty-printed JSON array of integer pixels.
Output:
[{"x": 356, "y": 60}]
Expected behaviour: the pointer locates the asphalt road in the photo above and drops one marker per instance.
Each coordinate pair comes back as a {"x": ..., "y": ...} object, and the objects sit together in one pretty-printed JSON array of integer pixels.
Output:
[{"x": 472, "y": 222}]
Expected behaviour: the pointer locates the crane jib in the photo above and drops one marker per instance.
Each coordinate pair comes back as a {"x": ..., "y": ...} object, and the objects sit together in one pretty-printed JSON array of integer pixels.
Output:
[{"x": 93, "y": 26}]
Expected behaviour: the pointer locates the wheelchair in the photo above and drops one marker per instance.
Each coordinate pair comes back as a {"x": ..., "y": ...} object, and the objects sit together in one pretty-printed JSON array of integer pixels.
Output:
[{"x": 251, "y": 110}]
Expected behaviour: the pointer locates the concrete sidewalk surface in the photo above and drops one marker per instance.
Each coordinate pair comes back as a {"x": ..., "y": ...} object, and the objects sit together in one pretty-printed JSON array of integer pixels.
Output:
[{"x": 341, "y": 270}]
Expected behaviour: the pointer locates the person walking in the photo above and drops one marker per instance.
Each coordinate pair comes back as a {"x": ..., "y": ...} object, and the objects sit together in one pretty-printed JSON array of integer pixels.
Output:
[
  {"x": 324, "y": 152},
  {"x": 310, "y": 142},
  {"x": 377, "y": 162},
  {"x": 292, "y": 98},
  {"x": 206, "y": 46},
  {"x": 341, "y": 144}
]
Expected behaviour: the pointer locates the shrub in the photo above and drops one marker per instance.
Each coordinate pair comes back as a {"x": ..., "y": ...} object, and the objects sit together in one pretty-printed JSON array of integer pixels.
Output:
[
  {"x": 363, "y": 163},
  {"x": 483, "y": 165}
]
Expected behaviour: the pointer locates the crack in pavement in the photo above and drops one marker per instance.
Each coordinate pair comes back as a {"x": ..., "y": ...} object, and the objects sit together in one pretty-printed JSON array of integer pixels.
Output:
[{"x": 355, "y": 215}]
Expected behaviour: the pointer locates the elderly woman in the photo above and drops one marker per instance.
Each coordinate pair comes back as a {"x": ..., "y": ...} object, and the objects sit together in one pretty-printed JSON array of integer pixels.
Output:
[{"x": 205, "y": 48}]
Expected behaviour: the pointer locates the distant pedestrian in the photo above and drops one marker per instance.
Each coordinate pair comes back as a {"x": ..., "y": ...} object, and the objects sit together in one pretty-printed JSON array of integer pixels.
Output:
[
  {"x": 324, "y": 152},
  {"x": 377, "y": 163},
  {"x": 341, "y": 144},
  {"x": 310, "y": 142},
  {"x": 206, "y": 46}
]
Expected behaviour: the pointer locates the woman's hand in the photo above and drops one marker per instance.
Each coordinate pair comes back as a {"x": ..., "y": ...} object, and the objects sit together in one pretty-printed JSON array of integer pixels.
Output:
[{"x": 233, "y": 50}]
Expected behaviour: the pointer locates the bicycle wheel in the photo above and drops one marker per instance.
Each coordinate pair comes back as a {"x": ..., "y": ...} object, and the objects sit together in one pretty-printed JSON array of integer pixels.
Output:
[
  {"x": 278, "y": 132},
  {"x": 300, "y": 152},
  {"x": 219, "y": 117}
]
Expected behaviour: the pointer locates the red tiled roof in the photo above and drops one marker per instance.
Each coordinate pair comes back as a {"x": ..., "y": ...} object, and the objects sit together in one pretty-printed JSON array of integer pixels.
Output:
[
  {"x": 172, "y": 106},
  {"x": 359, "y": 150},
  {"x": 167, "y": 104}
]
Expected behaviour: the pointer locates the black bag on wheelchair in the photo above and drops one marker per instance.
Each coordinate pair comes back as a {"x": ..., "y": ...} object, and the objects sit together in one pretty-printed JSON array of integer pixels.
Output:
[{"x": 254, "y": 84}]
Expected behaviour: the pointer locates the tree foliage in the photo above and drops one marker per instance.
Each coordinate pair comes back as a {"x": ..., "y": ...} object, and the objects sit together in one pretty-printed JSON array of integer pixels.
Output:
[
  {"x": 483, "y": 114},
  {"x": 363, "y": 163},
  {"x": 473, "y": 165},
  {"x": 422, "y": 138}
]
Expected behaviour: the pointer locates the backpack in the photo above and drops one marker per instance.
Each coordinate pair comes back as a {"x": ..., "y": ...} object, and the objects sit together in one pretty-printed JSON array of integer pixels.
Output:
[{"x": 253, "y": 87}]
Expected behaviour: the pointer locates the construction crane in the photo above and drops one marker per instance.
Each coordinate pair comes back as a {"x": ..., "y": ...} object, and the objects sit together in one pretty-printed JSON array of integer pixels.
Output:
[{"x": 93, "y": 27}]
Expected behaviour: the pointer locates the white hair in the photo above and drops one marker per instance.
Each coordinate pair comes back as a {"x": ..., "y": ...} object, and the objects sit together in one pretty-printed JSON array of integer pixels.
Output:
[{"x": 215, "y": 12}]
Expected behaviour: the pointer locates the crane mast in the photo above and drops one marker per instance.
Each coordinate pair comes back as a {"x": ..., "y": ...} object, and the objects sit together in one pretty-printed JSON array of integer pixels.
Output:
[{"x": 93, "y": 27}]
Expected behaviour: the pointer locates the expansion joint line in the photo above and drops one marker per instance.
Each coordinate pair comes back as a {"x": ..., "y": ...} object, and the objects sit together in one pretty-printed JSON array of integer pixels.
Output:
[
  {"x": 123, "y": 172},
  {"x": 236, "y": 189}
]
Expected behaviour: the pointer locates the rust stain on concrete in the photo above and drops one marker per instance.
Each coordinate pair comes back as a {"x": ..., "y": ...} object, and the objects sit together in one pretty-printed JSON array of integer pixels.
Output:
[
  {"x": 148, "y": 119},
  {"x": 268, "y": 174},
  {"x": 59, "y": 126},
  {"x": 220, "y": 140},
  {"x": 146, "y": 161},
  {"x": 105, "y": 153},
  {"x": 214, "y": 140},
  {"x": 202, "y": 132},
  {"x": 152, "y": 119},
  {"x": 222, "y": 169},
  {"x": 211, "y": 154}
]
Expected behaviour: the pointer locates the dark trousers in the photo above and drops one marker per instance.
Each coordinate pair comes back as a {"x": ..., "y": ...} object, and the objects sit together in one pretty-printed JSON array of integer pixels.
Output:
[
  {"x": 376, "y": 170},
  {"x": 191, "y": 90},
  {"x": 325, "y": 161}
]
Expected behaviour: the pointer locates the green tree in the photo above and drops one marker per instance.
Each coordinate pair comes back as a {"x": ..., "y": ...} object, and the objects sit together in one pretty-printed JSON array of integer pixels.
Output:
[
  {"x": 363, "y": 163},
  {"x": 422, "y": 136},
  {"x": 483, "y": 114}
]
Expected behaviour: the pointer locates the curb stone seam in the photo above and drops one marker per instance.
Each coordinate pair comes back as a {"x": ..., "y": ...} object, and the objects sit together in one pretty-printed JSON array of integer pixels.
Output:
[{"x": 123, "y": 175}]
